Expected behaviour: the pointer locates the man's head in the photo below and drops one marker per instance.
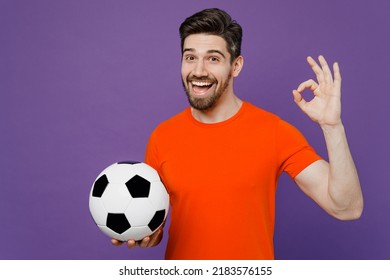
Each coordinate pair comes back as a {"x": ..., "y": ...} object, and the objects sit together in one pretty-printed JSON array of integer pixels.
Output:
[
  {"x": 214, "y": 22},
  {"x": 211, "y": 46}
]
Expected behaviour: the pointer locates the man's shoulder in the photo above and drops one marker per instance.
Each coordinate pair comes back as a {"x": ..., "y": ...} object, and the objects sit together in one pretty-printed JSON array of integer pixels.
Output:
[
  {"x": 261, "y": 114},
  {"x": 174, "y": 122}
]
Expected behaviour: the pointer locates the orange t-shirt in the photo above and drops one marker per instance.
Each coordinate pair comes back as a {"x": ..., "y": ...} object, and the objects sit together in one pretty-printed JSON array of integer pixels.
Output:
[{"x": 222, "y": 180}]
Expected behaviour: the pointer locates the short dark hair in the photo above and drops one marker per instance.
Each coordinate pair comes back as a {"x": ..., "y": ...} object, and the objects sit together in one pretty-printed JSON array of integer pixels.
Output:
[{"x": 214, "y": 22}]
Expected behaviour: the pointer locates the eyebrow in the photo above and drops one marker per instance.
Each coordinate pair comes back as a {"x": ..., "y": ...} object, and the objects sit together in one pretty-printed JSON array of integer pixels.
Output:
[{"x": 209, "y": 51}]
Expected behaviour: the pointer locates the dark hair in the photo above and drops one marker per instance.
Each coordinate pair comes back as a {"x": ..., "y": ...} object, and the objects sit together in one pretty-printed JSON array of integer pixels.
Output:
[{"x": 214, "y": 22}]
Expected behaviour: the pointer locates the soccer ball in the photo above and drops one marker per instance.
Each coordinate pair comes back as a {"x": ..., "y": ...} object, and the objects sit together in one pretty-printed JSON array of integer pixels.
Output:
[{"x": 128, "y": 201}]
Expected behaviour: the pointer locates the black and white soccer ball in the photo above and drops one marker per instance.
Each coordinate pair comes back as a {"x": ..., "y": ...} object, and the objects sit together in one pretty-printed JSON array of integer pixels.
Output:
[{"x": 128, "y": 201}]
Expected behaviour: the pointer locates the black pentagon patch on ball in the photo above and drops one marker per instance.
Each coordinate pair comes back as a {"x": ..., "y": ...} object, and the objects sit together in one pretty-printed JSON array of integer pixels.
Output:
[
  {"x": 99, "y": 186},
  {"x": 128, "y": 162},
  {"x": 157, "y": 220},
  {"x": 117, "y": 222},
  {"x": 138, "y": 187}
]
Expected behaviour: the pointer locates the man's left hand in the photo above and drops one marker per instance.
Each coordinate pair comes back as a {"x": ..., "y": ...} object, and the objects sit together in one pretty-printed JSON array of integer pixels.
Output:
[{"x": 325, "y": 107}]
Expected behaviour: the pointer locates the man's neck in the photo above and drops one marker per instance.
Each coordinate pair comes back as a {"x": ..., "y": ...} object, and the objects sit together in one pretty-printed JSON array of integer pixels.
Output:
[{"x": 221, "y": 111}]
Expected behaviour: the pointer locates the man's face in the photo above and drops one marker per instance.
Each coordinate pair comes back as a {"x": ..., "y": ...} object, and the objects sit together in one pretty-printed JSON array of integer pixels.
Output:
[{"x": 206, "y": 70}]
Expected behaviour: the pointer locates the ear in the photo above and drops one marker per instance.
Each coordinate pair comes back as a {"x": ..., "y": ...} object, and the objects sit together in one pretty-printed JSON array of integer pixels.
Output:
[{"x": 238, "y": 63}]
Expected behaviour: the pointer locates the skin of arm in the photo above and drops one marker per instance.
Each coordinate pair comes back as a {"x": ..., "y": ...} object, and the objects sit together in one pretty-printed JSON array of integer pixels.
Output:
[{"x": 335, "y": 185}]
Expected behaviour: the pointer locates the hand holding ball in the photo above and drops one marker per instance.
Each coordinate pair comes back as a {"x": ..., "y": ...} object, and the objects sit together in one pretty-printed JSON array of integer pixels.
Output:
[{"x": 128, "y": 201}]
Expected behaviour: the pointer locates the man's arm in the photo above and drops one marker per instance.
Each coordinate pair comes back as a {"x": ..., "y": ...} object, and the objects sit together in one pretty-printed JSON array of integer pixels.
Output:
[{"x": 335, "y": 185}]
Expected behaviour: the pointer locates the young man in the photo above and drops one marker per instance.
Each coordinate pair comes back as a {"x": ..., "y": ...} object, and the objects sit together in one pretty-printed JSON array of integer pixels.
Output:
[{"x": 220, "y": 159}]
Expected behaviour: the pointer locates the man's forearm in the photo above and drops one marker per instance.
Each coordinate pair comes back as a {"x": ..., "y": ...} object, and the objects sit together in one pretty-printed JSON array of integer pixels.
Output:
[{"x": 343, "y": 181}]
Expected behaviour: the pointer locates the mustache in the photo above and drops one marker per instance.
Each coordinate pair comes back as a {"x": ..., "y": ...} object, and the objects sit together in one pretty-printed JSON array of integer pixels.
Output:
[{"x": 201, "y": 79}]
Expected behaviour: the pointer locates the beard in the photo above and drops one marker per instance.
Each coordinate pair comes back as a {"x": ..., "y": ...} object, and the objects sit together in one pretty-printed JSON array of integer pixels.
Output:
[{"x": 205, "y": 103}]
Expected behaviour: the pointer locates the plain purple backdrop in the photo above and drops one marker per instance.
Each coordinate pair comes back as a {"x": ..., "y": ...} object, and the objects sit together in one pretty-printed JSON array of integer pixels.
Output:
[{"x": 83, "y": 84}]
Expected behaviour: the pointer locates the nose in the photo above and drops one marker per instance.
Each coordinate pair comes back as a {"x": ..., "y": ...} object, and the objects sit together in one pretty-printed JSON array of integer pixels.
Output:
[{"x": 200, "y": 69}]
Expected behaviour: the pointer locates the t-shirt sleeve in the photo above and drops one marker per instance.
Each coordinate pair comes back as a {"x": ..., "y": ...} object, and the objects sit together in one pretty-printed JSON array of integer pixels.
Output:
[
  {"x": 294, "y": 152},
  {"x": 151, "y": 156}
]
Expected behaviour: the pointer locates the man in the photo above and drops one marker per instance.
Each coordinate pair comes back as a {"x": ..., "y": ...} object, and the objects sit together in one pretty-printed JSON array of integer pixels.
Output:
[{"x": 220, "y": 159}]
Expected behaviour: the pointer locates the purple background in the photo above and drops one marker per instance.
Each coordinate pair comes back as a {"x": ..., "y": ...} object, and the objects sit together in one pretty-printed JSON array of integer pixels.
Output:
[{"x": 83, "y": 84}]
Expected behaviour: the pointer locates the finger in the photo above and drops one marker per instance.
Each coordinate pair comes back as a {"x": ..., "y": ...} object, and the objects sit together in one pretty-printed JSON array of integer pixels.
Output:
[
  {"x": 116, "y": 242},
  {"x": 298, "y": 99},
  {"x": 326, "y": 70},
  {"x": 309, "y": 84},
  {"x": 145, "y": 242},
  {"x": 316, "y": 69},
  {"x": 337, "y": 75},
  {"x": 131, "y": 244}
]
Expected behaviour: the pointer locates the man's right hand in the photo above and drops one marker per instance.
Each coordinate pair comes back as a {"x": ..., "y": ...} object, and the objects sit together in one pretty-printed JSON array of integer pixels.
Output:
[{"x": 147, "y": 242}]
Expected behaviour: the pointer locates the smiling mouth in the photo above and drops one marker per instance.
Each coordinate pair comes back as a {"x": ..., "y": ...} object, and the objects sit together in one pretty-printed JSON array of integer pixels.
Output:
[{"x": 200, "y": 88}]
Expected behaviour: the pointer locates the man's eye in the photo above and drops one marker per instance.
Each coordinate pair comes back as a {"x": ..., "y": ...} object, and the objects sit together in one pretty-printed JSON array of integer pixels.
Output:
[
  {"x": 214, "y": 59},
  {"x": 190, "y": 58}
]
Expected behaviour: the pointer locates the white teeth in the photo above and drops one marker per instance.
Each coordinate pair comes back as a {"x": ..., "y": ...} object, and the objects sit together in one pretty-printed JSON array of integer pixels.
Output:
[{"x": 201, "y": 84}]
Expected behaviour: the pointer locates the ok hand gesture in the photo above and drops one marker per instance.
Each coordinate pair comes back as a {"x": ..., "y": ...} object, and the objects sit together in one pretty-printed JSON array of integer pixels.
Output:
[{"x": 325, "y": 107}]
